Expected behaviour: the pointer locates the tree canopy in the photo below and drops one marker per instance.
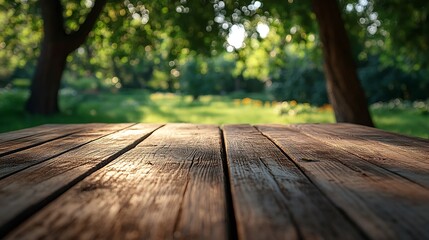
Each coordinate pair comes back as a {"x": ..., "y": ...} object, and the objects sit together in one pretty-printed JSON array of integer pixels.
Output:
[{"x": 127, "y": 43}]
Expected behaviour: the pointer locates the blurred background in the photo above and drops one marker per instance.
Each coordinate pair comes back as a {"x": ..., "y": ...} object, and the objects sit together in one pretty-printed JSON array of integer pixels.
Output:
[{"x": 211, "y": 61}]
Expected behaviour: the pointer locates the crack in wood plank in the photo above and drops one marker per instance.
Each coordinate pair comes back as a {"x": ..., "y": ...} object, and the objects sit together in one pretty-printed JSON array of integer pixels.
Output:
[{"x": 176, "y": 233}]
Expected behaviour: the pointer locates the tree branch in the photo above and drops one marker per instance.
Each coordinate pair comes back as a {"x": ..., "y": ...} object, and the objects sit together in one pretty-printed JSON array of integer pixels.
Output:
[{"x": 78, "y": 37}]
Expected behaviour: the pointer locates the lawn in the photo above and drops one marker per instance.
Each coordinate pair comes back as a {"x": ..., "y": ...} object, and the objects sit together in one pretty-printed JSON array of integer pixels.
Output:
[{"x": 141, "y": 106}]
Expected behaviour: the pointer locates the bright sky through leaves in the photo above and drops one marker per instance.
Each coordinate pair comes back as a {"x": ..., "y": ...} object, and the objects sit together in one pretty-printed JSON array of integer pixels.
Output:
[
  {"x": 236, "y": 37},
  {"x": 262, "y": 29},
  {"x": 237, "y": 34}
]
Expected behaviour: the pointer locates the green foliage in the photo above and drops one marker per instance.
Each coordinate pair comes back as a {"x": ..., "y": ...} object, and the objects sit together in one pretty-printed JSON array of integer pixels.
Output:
[
  {"x": 22, "y": 83},
  {"x": 82, "y": 84},
  {"x": 220, "y": 72},
  {"x": 299, "y": 80},
  {"x": 20, "y": 34},
  {"x": 207, "y": 76},
  {"x": 11, "y": 103},
  {"x": 407, "y": 26},
  {"x": 192, "y": 79},
  {"x": 148, "y": 45},
  {"x": 384, "y": 83}
]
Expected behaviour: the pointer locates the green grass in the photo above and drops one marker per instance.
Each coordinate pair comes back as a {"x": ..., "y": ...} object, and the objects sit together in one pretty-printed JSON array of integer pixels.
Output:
[{"x": 141, "y": 106}]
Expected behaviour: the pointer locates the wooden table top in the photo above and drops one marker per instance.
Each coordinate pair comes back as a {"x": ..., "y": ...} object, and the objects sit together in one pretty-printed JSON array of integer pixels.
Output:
[{"x": 192, "y": 181}]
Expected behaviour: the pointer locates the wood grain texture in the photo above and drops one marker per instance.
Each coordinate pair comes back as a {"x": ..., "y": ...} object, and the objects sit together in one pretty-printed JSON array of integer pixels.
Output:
[
  {"x": 417, "y": 147},
  {"x": 169, "y": 186},
  {"x": 124, "y": 181},
  {"x": 8, "y": 136},
  {"x": 15, "y": 162},
  {"x": 407, "y": 163},
  {"x": 25, "y": 192},
  {"x": 383, "y": 204},
  {"x": 272, "y": 198},
  {"x": 41, "y": 136}
]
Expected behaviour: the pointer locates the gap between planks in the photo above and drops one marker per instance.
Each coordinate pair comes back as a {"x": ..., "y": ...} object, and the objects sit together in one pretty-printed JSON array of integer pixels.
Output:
[
  {"x": 268, "y": 163},
  {"x": 18, "y": 161},
  {"x": 20, "y": 198},
  {"x": 273, "y": 198},
  {"x": 27, "y": 132},
  {"x": 192, "y": 176},
  {"x": 16, "y": 145},
  {"x": 231, "y": 219},
  {"x": 385, "y": 205}
]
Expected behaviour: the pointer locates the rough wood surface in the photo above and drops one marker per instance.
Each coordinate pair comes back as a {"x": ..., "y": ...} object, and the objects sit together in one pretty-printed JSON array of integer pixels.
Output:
[
  {"x": 192, "y": 181},
  {"x": 383, "y": 204},
  {"x": 8, "y": 136},
  {"x": 15, "y": 162},
  {"x": 272, "y": 198},
  {"x": 408, "y": 146},
  {"x": 23, "y": 193},
  {"x": 377, "y": 133},
  {"x": 169, "y": 186},
  {"x": 409, "y": 164},
  {"x": 41, "y": 136}
]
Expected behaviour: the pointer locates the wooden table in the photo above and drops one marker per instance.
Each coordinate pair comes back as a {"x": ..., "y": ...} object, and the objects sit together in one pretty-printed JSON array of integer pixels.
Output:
[{"x": 187, "y": 181}]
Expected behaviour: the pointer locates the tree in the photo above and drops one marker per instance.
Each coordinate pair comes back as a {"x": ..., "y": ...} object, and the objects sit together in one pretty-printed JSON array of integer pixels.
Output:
[
  {"x": 199, "y": 28},
  {"x": 325, "y": 21},
  {"x": 56, "y": 46},
  {"x": 400, "y": 32},
  {"x": 344, "y": 90}
]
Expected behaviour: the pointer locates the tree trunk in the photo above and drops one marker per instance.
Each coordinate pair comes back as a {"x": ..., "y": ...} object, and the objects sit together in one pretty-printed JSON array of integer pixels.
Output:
[
  {"x": 237, "y": 82},
  {"x": 344, "y": 90},
  {"x": 56, "y": 46},
  {"x": 46, "y": 80},
  {"x": 170, "y": 84}
]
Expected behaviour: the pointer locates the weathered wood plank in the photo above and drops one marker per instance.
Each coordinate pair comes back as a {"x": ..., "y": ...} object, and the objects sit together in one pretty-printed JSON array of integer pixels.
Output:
[
  {"x": 375, "y": 131},
  {"x": 169, "y": 186},
  {"x": 272, "y": 198},
  {"x": 25, "y": 192},
  {"x": 418, "y": 147},
  {"x": 385, "y": 205},
  {"x": 15, "y": 162},
  {"x": 408, "y": 164},
  {"x": 40, "y": 137},
  {"x": 8, "y": 136}
]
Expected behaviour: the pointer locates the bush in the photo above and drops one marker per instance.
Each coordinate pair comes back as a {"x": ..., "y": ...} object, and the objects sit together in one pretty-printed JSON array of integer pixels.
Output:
[
  {"x": 384, "y": 83},
  {"x": 301, "y": 81},
  {"x": 82, "y": 84},
  {"x": 21, "y": 83},
  {"x": 207, "y": 76}
]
